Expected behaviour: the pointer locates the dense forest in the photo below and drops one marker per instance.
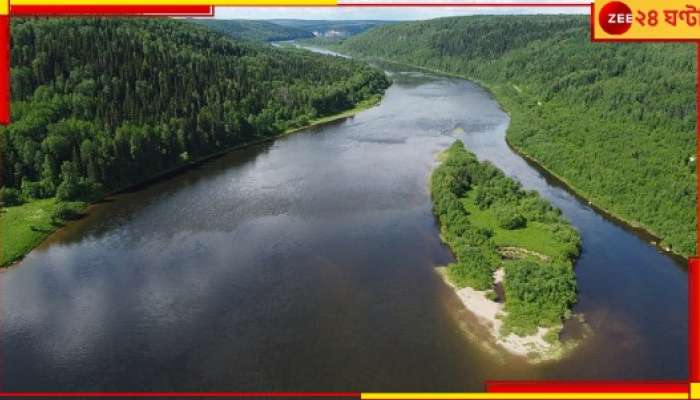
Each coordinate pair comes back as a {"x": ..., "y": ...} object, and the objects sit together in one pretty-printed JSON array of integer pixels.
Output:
[
  {"x": 100, "y": 104},
  {"x": 255, "y": 30},
  {"x": 615, "y": 121},
  {"x": 287, "y": 29},
  {"x": 330, "y": 28},
  {"x": 103, "y": 100},
  {"x": 490, "y": 222}
]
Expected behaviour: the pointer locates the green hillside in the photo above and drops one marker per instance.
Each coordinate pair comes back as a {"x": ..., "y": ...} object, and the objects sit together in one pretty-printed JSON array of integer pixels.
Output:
[
  {"x": 330, "y": 29},
  {"x": 101, "y": 104},
  {"x": 255, "y": 30},
  {"x": 615, "y": 121}
]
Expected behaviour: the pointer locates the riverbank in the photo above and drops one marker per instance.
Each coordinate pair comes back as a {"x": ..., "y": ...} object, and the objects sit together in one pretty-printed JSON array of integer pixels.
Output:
[
  {"x": 639, "y": 228},
  {"x": 534, "y": 348},
  {"x": 645, "y": 232},
  {"x": 503, "y": 99},
  {"x": 24, "y": 227}
]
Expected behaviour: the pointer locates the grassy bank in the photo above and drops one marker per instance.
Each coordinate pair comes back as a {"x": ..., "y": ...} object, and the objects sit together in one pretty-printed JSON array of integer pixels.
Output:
[
  {"x": 495, "y": 227},
  {"x": 25, "y": 226},
  {"x": 361, "y": 106}
]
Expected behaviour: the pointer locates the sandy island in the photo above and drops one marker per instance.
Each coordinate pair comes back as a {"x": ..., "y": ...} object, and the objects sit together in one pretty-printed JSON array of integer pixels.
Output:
[{"x": 534, "y": 347}]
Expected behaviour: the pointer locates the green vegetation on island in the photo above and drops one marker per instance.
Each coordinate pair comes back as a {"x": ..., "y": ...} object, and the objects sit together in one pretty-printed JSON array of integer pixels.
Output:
[
  {"x": 614, "y": 121},
  {"x": 490, "y": 222},
  {"x": 100, "y": 104}
]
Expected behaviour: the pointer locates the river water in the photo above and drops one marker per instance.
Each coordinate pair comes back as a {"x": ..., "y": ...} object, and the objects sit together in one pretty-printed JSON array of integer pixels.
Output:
[{"x": 308, "y": 264}]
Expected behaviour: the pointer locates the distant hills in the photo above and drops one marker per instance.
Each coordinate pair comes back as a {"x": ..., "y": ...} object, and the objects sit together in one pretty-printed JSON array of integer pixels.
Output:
[
  {"x": 331, "y": 29},
  {"x": 289, "y": 29},
  {"x": 261, "y": 31}
]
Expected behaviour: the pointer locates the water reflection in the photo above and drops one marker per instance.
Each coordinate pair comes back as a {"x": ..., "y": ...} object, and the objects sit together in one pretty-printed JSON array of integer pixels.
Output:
[{"x": 307, "y": 264}]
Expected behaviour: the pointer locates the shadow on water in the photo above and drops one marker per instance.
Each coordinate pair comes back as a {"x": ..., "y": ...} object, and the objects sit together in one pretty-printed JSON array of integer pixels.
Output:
[{"x": 307, "y": 263}]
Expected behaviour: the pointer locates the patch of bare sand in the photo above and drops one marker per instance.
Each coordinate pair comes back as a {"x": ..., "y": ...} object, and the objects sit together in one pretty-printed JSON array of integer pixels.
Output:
[{"x": 488, "y": 313}]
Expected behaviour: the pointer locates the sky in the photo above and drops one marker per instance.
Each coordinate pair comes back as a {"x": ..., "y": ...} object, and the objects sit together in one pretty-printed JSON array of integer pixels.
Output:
[{"x": 382, "y": 13}]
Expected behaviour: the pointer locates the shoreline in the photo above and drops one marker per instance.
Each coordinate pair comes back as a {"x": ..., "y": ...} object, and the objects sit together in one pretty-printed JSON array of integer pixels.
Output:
[
  {"x": 488, "y": 313},
  {"x": 636, "y": 227},
  {"x": 172, "y": 172},
  {"x": 533, "y": 348},
  {"x": 362, "y": 106}
]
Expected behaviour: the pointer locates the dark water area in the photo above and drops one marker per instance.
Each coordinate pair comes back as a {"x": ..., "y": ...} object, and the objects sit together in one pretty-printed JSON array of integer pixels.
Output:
[{"x": 308, "y": 264}]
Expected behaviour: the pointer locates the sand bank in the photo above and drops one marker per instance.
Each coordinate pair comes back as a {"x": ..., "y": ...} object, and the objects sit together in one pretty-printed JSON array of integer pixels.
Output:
[{"x": 534, "y": 347}]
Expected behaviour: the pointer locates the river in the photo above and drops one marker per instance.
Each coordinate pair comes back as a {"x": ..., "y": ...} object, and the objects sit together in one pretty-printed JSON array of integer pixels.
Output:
[{"x": 307, "y": 263}]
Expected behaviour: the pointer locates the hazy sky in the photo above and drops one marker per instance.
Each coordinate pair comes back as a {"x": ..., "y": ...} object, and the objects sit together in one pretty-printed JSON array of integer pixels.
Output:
[{"x": 396, "y": 13}]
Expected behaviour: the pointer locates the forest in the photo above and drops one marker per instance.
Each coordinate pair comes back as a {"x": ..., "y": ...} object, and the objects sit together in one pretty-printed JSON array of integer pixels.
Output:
[
  {"x": 101, "y": 104},
  {"x": 490, "y": 222},
  {"x": 276, "y": 30},
  {"x": 616, "y": 122},
  {"x": 263, "y": 31},
  {"x": 331, "y": 28}
]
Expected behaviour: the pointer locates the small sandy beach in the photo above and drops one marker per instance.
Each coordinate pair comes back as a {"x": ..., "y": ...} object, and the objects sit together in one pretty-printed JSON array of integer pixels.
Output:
[{"x": 534, "y": 347}]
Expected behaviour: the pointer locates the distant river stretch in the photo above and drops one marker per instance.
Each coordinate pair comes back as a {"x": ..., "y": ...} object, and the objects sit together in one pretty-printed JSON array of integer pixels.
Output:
[{"x": 307, "y": 264}]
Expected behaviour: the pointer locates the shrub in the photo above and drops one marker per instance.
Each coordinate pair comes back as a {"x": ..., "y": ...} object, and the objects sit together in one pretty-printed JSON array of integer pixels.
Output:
[
  {"x": 483, "y": 198},
  {"x": 67, "y": 212},
  {"x": 509, "y": 219},
  {"x": 80, "y": 189},
  {"x": 459, "y": 182},
  {"x": 33, "y": 190},
  {"x": 10, "y": 197},
  {"x": 67, "y": 190},
  {"x": 473, "y": 269},
  {"x": 537, "y": 295}
]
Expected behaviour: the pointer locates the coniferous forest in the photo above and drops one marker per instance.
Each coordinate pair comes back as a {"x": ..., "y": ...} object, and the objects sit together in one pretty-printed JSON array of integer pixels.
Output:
[
  {"x": 263, "y": 31},
  {"x": 101, "y": 104},
  {"x": 615, "y": 121},
  {"x": 100, "y": 101}
]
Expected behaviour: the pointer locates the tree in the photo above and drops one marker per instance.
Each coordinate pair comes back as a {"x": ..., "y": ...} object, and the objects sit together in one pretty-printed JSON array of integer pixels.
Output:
[
  {"x": 69, "y": 189},
  {"x": 616, "y": 122},
  {"x": 124, "y": 100}
]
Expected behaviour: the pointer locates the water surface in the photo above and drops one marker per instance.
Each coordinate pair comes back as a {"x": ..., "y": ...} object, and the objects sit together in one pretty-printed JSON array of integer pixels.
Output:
[{"x": 308, "y": 264}]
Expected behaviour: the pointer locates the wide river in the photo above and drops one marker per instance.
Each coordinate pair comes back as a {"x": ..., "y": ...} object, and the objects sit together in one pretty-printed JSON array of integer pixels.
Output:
[{"x": 308, "y": 264}]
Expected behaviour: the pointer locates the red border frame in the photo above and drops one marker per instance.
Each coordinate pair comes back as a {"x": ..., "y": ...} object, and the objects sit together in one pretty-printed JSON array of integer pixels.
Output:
[
  {"x": 135, "y": 10},
  {"x": 586, "y": 387},
  {"x": 491, "y": 386}
]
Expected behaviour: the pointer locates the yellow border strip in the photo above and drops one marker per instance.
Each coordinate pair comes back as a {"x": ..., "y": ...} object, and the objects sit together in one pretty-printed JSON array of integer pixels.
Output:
[
  {"x": 523, "y": 396},
  {"x": 694, "y": 390},
  {"x": 173, "y": 2}
]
